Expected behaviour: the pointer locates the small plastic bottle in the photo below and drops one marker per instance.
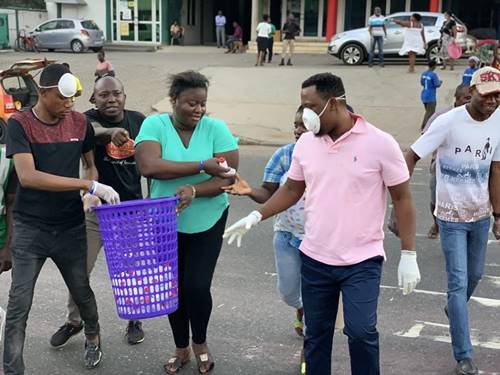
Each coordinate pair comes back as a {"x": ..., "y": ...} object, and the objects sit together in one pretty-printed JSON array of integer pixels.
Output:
[{"x": 223, "y": 163}]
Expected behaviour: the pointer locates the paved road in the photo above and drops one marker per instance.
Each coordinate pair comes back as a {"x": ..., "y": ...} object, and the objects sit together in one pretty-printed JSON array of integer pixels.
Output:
[{"x": 251, "y": 329}]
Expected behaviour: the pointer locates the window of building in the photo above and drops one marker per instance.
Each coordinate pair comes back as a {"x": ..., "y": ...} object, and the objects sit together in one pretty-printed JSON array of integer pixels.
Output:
[
  {"x": 311, "y": 14},
  {"x": 398, "y": 6},
  {"x": 355, "y": 14},
  {"x": 191, "y": 12},
  {"x": 419, "y": 5}
]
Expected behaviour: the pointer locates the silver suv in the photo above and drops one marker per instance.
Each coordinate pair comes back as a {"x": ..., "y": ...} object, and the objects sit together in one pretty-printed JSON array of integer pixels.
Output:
[
  {"x": 353, "y": 46},
  {"x": 67, "y": 33}
]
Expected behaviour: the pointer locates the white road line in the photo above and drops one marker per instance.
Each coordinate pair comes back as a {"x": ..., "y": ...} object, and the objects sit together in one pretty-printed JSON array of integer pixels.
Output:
[
  {"x": 488, "y": 302},
  {"x": 494, "y": 279},
  {"x": 417, "y": 331}
]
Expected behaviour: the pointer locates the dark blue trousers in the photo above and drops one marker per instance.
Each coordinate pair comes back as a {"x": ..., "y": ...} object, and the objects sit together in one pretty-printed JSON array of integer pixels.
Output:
[{"x": 321, "y": 287}]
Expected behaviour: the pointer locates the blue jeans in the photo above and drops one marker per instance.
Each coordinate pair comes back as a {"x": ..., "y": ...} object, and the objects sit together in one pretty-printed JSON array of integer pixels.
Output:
[
  {"x": 464, "y": 246},
  {"x": 321, "y": 287},
  {"x": 288, "y": 265},
  {"x": 377, "y": 41}
]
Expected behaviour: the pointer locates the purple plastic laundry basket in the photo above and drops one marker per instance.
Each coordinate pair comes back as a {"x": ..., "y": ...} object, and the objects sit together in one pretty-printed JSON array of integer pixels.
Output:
[{"x": 140, "y": 243}]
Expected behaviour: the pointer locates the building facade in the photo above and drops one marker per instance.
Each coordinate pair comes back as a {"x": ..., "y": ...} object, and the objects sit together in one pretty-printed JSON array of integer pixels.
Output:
[{"x": 148, "y": 21}]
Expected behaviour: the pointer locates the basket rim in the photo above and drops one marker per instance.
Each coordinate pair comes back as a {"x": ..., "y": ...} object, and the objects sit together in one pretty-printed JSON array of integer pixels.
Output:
[{"x": 136, "y": 202}]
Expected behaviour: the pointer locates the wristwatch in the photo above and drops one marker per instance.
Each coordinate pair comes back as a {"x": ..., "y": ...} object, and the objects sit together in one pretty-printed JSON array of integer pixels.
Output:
[
  {"x": 202, "y": 166},
  {"x": 496, "y": 215}
]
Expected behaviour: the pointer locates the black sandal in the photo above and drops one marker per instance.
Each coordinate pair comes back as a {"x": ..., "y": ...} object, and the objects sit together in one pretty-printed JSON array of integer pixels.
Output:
[{"x": 205, "y": 360}]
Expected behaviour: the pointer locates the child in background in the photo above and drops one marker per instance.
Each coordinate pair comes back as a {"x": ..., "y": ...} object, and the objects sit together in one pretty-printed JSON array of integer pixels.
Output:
[
  {"x": 104, "y": 67},
  {"x": 474, "y": 63},
  {"x": 430, "y": 82}
]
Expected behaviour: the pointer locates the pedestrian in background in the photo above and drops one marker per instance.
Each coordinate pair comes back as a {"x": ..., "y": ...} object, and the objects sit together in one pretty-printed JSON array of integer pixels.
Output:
[
  {"x": 448, "y": 35},
  {"x": 104, "y": 66},
  {"x": 467, "y": 141},
  {"x": 377, "y": 30},
  {"x": 342, "y": 250},
  {"x": 179, "y": 152},
  {"x": 220, "y": 29},
  {"x": 430, "y": 82},
  {"x": 176, "y": 33},
  {"x": 235, "y": 38},
  {"x": 270, "y": 42},
  {"x": 414, "y": 40},
  {"x": 473, "y": 67},
  {"x": 290, "y": 30},
  {"x": 263, "y": 31}
]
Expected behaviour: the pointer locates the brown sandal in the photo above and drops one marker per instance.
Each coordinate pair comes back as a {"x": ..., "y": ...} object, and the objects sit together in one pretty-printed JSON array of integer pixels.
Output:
[
  {"x": 175, "y": 364},
  {"x": 205, "y": 360}
]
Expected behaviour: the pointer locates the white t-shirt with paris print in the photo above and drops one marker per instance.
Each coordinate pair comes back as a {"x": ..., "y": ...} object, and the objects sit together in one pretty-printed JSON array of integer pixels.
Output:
[{"x": 465, "y": 150}]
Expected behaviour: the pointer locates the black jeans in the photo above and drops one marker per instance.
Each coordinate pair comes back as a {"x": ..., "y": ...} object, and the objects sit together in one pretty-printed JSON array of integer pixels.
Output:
[
  {"x": 321, "y": 287},
  {"x": 31, "y": 247},
  {"x": 198, "y": 254},
  {"x": 270, "y": 49},
  {"x": 430, "y": 108}
]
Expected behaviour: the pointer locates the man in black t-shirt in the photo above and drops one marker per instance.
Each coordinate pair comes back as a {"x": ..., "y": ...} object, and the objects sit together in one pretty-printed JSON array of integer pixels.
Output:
[
  {"x": 290, "y": 30},
  {"x": 115, "y": 130},
  {"x": 46, "y": 143}
]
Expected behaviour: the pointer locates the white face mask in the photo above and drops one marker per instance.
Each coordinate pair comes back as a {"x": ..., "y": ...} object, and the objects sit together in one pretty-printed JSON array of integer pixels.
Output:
[
  {"x": 312, "y": 121},
  {"x": 67, "y": 85}
]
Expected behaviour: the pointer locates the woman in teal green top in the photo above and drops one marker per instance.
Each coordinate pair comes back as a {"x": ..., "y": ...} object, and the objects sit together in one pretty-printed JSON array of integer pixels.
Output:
[{"x": 179, "y": 152}]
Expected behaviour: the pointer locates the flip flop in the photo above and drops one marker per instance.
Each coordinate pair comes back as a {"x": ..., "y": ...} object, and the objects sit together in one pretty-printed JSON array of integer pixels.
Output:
[{"x": 299, "y": 327}]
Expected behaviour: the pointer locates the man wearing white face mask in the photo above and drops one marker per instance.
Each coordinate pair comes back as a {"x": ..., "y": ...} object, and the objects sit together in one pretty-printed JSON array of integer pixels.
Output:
[
  {"x": 346, "y": 164},
  {"x": 46, "y": 143}
]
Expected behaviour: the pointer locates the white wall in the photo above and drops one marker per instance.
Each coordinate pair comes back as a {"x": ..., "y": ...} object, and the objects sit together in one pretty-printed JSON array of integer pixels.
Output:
[
  {"x": 94, "y": 10},
  {"x": 27, "y": 20}
]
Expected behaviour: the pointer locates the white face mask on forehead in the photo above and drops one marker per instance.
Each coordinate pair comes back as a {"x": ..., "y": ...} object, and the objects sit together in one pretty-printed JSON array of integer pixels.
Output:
[{"x": 312, "y": 121}]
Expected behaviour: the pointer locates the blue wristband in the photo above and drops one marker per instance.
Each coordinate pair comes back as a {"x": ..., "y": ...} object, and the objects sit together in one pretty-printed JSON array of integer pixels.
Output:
[{"x": 202, "y": 166}]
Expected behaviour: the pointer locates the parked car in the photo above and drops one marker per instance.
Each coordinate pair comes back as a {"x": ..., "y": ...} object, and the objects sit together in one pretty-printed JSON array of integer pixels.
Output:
[
  {"x": 68, "y": 33},
  {"x": 353, "y": 46},
  {"x": 18, "y": 89}
]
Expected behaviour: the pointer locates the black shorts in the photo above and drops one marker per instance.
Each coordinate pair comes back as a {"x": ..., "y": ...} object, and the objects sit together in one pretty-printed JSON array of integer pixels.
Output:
[{"x": 262, "y": 43}]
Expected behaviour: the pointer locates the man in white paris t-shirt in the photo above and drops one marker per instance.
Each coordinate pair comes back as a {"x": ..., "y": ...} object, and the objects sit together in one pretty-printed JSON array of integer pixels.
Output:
[{"x": 468, "y": 184}]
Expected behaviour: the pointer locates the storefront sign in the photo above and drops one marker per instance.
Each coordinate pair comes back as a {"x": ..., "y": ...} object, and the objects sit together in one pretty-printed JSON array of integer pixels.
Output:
[{"x": 124, "y": 28}]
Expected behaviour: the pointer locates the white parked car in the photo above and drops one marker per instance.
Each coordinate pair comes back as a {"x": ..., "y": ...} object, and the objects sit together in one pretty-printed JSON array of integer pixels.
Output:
[{"x": 353, "y": 46}]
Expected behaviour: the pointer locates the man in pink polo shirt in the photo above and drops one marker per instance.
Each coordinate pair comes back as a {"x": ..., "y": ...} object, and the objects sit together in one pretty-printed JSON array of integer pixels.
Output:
[{"x": 343, "y": 165}]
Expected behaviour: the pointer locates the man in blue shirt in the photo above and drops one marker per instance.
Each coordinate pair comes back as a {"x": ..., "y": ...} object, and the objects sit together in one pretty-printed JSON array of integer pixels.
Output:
[
  {"x": 474, "y": 63},
  {"x": 430, "y": 82}
]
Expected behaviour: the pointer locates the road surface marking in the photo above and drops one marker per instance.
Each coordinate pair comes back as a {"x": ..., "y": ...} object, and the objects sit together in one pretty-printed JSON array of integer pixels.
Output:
[
  {"x": 419, "y": 328},
  {"x": 488, "y": 302}
]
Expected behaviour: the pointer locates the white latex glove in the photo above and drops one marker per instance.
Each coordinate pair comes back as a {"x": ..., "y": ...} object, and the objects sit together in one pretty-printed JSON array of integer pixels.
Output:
[
  {"x": 90, "y": 201},
  {"x": 408, "y": 272},
  {"x": 238, "y": 229},
  {"x": 105, "y": 192}
]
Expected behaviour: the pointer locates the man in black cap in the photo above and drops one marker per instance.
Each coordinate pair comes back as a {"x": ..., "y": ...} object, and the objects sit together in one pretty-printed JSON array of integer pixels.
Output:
[{"x": 46, "y": 143}]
